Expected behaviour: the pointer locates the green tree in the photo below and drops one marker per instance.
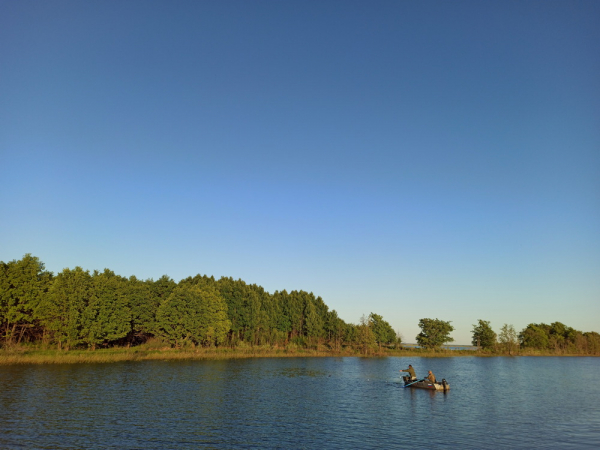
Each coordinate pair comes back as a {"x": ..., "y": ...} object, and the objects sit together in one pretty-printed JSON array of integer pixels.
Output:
[
  {"x": 434, "y": 333},
  {"x": 273, "y": 316},
  {"x": 143, "y": 305},
  {"x": 562, "y": 337},
  {"x": 382, "y": 330},
  {"x": 313, "y": 321},
  {"x": 535, "y": 336},
  {"x": 255, "y": 314},
  {"x": 146, "y": 312},
  {"x": 335, "y": 329},
  {"x": 294, "y": 309},
  {"x": 366, "y": 337},
  {"x": 107, "y": 316},
  {"x": 161, "y": 288},
  {"x": 23, "y": 284},
  {"x": 245, "y": 309},
  {"x": 483, "y": 335},
  {"x": 508, "y": 338},
  {"x": 193, "y": 314},
  {"x": 61, "y": 311},
  {"x": 592, "y": 343},
  {"x": 351, "y": 334},
  {"x": 283, "y": 322}
]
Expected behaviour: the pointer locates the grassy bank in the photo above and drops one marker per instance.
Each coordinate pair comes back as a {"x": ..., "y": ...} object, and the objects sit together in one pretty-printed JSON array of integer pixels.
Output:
[
  {"x": 24, "y": 355},
  {"x": 28, "y": 355}
]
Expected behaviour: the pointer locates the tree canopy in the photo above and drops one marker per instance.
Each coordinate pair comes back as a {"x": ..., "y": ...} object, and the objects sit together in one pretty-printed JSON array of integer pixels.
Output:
[
  {"x": 508, "y": 338},
  {"x": 434, "y": 333},
  {"x": 483, "y": 335},
  {"x": 79, "y": 309}
]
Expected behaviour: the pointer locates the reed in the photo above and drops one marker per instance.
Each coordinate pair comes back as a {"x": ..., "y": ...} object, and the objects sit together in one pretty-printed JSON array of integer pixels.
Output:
[
  {"x": 137, "y": 354},
  {"x": 28, "y": 355}
]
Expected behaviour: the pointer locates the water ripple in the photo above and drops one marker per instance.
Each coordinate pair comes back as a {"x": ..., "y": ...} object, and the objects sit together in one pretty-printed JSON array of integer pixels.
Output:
[{"x": 301, "y": 403}]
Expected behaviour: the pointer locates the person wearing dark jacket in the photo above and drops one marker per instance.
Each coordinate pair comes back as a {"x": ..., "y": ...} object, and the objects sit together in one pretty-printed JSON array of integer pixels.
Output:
[{"x": 411, "y": 372}]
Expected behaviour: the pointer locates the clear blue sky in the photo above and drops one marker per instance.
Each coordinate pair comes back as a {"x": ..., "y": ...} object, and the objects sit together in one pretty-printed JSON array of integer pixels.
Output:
[{"x": 411, "y": 159}]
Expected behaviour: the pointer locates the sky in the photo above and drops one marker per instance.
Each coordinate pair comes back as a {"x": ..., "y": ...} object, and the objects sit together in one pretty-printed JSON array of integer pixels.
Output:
[{"x": 416, "y": 160}]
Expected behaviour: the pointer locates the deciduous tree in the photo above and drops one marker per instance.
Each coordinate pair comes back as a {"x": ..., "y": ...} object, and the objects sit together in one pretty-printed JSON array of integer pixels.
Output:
[
  {"x": 61, "y": 310},
  {"x": 193, "y": 314},
  {"x": 23, "y": 284},
  {"x": 483, "y": 335},
  {"x": 434, "y": 333},
  {"x": 382, "y": 330},
  {"x": 143, "y": 305},
  {"x": 508, "y": 338},
  {"x": 535, "y": 336},
  {"x": 366, "y": 337},
  {"x": 107, "y": 316}
]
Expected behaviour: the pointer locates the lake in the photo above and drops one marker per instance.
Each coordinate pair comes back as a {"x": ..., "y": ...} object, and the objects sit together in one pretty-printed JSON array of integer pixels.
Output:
[{"x": 302, "y": 403}]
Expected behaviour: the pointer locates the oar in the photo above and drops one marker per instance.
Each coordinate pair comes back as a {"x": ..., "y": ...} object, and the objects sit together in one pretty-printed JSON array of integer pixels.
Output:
[{"x": 407, "y": 385}]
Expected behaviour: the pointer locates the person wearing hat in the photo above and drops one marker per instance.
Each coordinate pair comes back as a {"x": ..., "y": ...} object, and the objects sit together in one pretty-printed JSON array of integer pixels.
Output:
[
  {"x": 431, "y": 377},
  {"x": 411, "y": 372}
]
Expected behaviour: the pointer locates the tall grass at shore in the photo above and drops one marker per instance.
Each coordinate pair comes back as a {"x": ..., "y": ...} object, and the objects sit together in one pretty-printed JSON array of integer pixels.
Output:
[
  {"x": 137, "y": 354},
  {"x": 154, "y": 351}
]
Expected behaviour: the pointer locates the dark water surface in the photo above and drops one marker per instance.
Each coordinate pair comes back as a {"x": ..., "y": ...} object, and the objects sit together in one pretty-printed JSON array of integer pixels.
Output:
[{"x": 312, "y": 403}]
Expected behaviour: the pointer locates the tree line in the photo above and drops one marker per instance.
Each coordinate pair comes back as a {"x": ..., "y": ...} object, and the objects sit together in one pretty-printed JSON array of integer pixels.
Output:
[
  {"x": 79, "y": 309},
  {"x": 556, "y": 338}
]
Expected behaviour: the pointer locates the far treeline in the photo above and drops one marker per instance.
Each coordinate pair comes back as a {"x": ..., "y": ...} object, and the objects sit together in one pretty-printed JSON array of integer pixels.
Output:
[
  {"x": 78, "y": 309},
  {"x": 555, "y": 338}
]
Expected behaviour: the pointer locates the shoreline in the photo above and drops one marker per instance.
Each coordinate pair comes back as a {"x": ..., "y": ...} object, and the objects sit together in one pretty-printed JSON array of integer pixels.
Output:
[{"x": 38, "y": 356}]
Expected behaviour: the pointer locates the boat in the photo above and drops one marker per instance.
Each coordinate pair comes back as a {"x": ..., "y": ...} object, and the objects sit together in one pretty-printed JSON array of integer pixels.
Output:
[{"x": 426, "y": 384}]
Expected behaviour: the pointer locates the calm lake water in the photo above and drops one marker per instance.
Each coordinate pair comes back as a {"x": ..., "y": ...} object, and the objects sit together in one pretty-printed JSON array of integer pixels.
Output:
[{"x": 295, "y": 403}]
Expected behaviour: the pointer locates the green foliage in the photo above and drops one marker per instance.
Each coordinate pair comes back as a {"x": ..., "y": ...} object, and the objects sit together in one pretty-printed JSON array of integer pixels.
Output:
[
  {"x": 142, "y": 305},
  {"x": 193, "y": 314},
  {"x": 592, "y": 342},
  {"x": 61, "y": 311},
  {"x": 161, "y": 288},
  {"x": 483, "y": 335},
  {"x": 76, "y": 309},
  {"x": 382, "y": 330},
  {"x": 434, "y": 333},
  {"x": 144, "y": 299},
  {"x": 508, "y": 338},
  {"x": 535, "y": 336},
  {"x": 314, "y": 322},
  {"x": 560, "y": 336},
  {"x": 294, "y": 309},
  {"x": 351, "y": 335},
  {"x": 107, "y": 316},
  {"x": 283, "y": 320},
  {"x": 23, "y": 284},
  {"x": 249, "y": 309},
  {"x": 366, "y": 337},
  {"x": 335, "y": 328},
  {"x": 556, "y": 336}
]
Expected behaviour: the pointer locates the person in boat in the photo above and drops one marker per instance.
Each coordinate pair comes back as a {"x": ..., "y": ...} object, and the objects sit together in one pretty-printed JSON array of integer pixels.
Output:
[
  {"x": 411, "y": 372},
  {"x": 431, "y": 377}
]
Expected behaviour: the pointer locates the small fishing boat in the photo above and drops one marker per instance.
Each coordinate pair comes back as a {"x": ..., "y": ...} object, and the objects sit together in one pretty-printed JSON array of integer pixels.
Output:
[{"x": 426, "y": 384}]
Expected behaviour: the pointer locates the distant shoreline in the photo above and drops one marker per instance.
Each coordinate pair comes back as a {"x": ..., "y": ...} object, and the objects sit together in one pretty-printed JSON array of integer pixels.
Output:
[{"x": 37, "y": 356}]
